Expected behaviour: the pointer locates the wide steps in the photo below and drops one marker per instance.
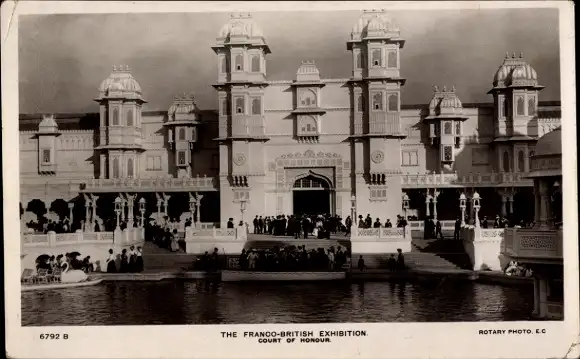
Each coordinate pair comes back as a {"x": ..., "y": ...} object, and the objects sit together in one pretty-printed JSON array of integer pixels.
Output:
[{"x": 412, "y": 260}]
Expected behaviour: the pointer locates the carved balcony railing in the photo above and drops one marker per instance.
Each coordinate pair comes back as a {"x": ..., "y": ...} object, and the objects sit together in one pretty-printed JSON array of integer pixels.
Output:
[
  {"x": 490, "y": 179},
  {"x": 248, "y": 126},
  {"x": 532, "y": 245},
  {"x": 160, "y": 184},
  {"x": 381, "y": 123}
]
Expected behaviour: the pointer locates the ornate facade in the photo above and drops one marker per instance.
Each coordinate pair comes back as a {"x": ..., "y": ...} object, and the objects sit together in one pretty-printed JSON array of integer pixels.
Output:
[{"x": 308, "y": 144}]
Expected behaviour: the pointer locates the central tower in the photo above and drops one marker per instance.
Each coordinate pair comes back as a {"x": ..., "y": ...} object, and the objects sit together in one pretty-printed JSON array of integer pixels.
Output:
[
  {"x": 241, "y": 52},
  {"x": 376, "y": 129}
]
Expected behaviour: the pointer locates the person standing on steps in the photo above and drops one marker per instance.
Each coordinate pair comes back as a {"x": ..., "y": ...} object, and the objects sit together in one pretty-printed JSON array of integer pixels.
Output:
[
  {"x": 438, "y": 232},
  {"x": 256, "y": 224},
  {"x": 457, "y": 229},
  {"x": 361, "y": 264},
  {"x": 400, "y": 260}
]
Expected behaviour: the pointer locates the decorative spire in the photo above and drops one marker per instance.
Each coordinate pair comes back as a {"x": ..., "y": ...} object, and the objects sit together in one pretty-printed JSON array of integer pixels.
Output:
[
  {"x": 453, "y": 88},
  {"x": 507, "y": 55},
  {"x": 114, "y": 68},
  {"x": 514, "y": 55},
  {"x": 521, "y": 55},
  {"x": 444, "y": 88},
  {"x": 435, "y": 88}
]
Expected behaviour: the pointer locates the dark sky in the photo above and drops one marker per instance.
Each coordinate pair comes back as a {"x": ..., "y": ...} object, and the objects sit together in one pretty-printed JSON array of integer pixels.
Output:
[{"x": 64, "y": 58}]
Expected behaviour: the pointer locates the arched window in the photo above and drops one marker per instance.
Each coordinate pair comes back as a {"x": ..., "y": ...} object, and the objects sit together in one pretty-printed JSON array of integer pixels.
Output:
[
  {"x": 308, "y": 125},
  {"x": 239, "y": 62},
  {"x": 181, "y": 134},
  {"x": 376, "y": 57},
  {"x": 393, "y": 102},
  {"x": 255, "y": 63},
  {"x": 532, "y": 106},
  {"x": 520, "y": 106},
  {"x": 448, "y": 130},
  {"x": 240, "y": 105},
  {"x": 130, "y": 117},
  {"x": 130, "y": 168},
  {"x": 392, "y": 59},
  {"x": 358, "y": 61},
  {"x": 501, "y": 107},
  {"x": 115, "y": 167},
  {"x": 458, "y": 128},
  {"x": 308, "y": 98},
  {"x": 360, "y": 103},
  {"x": 506, "y": 161},
  {"x": 378, "y": 101},
  {"x": 256, "y": 107},
  {"x": 521, "y": 161},
  {"x": 505, "y": 107},
  {"x": 115, "y": 117}
]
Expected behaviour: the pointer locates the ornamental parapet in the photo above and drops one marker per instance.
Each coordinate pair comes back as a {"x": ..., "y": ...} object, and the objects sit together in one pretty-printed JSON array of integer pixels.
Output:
[
  {"x": 533, "y": 245},
  {"x": 489, "y": 179},
  {"x": 159, "y": 184}
]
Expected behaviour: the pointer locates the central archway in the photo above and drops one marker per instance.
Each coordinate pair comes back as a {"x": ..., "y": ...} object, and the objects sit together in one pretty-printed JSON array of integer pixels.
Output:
[{"x": 312, "y": 195}]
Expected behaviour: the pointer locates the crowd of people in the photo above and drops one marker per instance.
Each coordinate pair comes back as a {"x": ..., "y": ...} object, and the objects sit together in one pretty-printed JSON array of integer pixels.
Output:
[
  {"x": 130, "y": 261},
  {"x": 166, "y": 235},
  {"x": 292, "y": 258},
  {"x": 317, "y": 226},
  {"x": 53, "y": 264},
  {"x": 517, "y": 270},
  {"x": 369, "y": 223}
]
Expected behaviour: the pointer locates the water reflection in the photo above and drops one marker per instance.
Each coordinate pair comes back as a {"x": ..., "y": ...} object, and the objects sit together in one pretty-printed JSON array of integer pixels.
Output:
[{"x": 207, "y": 302}]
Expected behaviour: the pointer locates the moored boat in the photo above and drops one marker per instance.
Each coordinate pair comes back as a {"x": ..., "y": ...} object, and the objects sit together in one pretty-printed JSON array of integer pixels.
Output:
[
  {"x": 59, "y": 285},
  {"x": 245, "y": 276}
]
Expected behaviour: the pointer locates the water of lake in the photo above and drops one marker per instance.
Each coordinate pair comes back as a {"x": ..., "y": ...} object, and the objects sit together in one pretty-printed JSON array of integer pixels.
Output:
[{"x": 203, "y": 302}]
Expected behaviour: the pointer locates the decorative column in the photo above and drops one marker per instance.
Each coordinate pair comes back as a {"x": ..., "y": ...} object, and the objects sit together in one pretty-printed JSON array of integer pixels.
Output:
[
  {"x": 476, "y": 205},
  {"x": 511, "y": 204},
  {"x": 70, "y": 211},
  {"x": 503, "y": 204},
  {"x": 130, "y": 204},
  {"x": 94, "y": 215},
  {"x": 198, "y": 204},
  {"x": 405, "y": 204},
  {"x": 124, "y": 207},
  {"x": 427, "y": 201},
  {"x": 537, "y": 202},
  {"x": 435, "y": 195},
  {"x": 159, "y": 204},
  {"x": 87, "y": 214},
  {"x": 118, "y": 208},
  {"x": 353, "y": 208},
  {"x": 166, "y": 202},
  {"x": 462, "y": 205},
  {"x": 544, "y": 203},
  {"x": 191, "y": 206},
  {"x": 142, "y": 210}
]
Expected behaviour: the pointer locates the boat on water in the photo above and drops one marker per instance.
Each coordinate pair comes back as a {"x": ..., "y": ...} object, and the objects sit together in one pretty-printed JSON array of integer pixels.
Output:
[
  {"x": 59, "y": 285},
  {"x": 247, "y": 276}
]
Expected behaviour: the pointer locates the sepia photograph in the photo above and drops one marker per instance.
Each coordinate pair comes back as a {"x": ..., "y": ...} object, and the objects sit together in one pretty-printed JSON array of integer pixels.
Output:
[{"x": 362, "y": 165}]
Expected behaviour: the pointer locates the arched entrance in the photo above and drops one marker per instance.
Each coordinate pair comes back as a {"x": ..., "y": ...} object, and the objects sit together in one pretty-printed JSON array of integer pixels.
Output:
[{"x": 312, "y": 195}]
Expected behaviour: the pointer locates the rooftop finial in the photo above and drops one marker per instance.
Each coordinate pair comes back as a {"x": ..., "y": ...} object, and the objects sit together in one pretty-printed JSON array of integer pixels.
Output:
[
  {"x": 114, "y": 68},
  {"x": 453, "y": 88},
  {"x": 514, "y": 55},
  {"x": 507, "y": 55},
  {"x": 444, "y": 88},
  {"x": 435, "y": 88},
  {"x": 521, "y": 55}
]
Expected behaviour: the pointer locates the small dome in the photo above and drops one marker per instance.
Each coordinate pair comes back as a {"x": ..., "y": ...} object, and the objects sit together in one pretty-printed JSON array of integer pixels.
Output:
[
  {"x": 515, "y": 70},
  {"x": 550, "y": 144},
  {"x": 241, "y": 25},
  {"x": 372, "y": 21},
  {"x": 48, "y": 121},
  {"x": 183, "y": 107},
  {"x": 450, "y": 102},
  {"x": 120, "y": 80}
]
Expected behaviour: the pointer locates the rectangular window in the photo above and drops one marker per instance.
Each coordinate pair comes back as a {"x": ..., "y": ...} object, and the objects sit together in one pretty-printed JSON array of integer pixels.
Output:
[
  {"x": 378, "y": 193},
  {"x": 458, "y": 128},
  {"x": 457, "y": 142},
  {"x": 45, "y": 156},
  {"x": 410, "y": 158},
  {"x": 223, "y": 107},
  {"x": 376, "y": 57},
  {"x": 447, "y": 153},
  {"x": 520, "y": 106},
  {"x": 378, "y": 101},
  {"x": 223, "y": 65},
  {"x": 392, "y": 59},
  {"x": 153, "y": 163},
  {"x": 255, "y": 63},
  {"x": 501, "y": 107},
  {"x": 181, "y": 158},
  {"x": 393, "y": 102},
  {"x": 239, "y": 62}
]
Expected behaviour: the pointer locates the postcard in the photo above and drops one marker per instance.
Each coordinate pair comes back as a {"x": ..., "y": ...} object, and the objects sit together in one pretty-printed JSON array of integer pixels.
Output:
[{"x": 290, "y": 179}]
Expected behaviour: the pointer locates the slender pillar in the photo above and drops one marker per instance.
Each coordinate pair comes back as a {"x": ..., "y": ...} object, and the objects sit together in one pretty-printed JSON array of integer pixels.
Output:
[
  {"x": 511, "y": 204},
  {"x": 94, "y": 223},
  {"x": 166, "y": 200},
  {"x": 130, "y": 203},
  {"x": 503, "y": 205},
  {"x": 70, "y": 212},
  {"x": 198, "y": 204},
  {"x": 536, "y": 311},
  {"x": 537, "y": 203},
  {"x": 124, "y": 208},
  {"x": 543, "y": 297},
  {"x": 159, "y": 203},
  {"x": 87, "y": 214},
  {"x": 544, "y": 203},
  {"x": 427, "y": 201},
  {"x": 435, "y": 195}
]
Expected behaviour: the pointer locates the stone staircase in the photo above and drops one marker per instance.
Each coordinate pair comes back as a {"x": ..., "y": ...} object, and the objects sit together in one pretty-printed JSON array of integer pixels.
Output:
[
  {"x": 271, "y": 242},
  {"x": 156, "y": 259}
]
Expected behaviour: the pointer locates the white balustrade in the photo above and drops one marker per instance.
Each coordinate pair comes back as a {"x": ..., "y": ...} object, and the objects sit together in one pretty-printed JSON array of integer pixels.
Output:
[{"x": 453, "y": 179}]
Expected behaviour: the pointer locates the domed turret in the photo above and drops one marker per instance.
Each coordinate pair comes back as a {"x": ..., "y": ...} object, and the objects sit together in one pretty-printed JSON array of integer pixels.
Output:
[
  {"x": 515, "y": 72},
  {"x": 374, "y": 23},
  {"x": 445, "y": 103},
  {"x": 183, "y": 108},
  {"x": 120, "y": 83},
  {"x": 547, "y": 160},
  {"x": 240, "y": 25},
  {"x": 308, "y": 72}
]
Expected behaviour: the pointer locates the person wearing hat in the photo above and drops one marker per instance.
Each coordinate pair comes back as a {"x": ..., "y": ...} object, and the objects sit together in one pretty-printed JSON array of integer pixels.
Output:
[{"x": 497, "y": 222}]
